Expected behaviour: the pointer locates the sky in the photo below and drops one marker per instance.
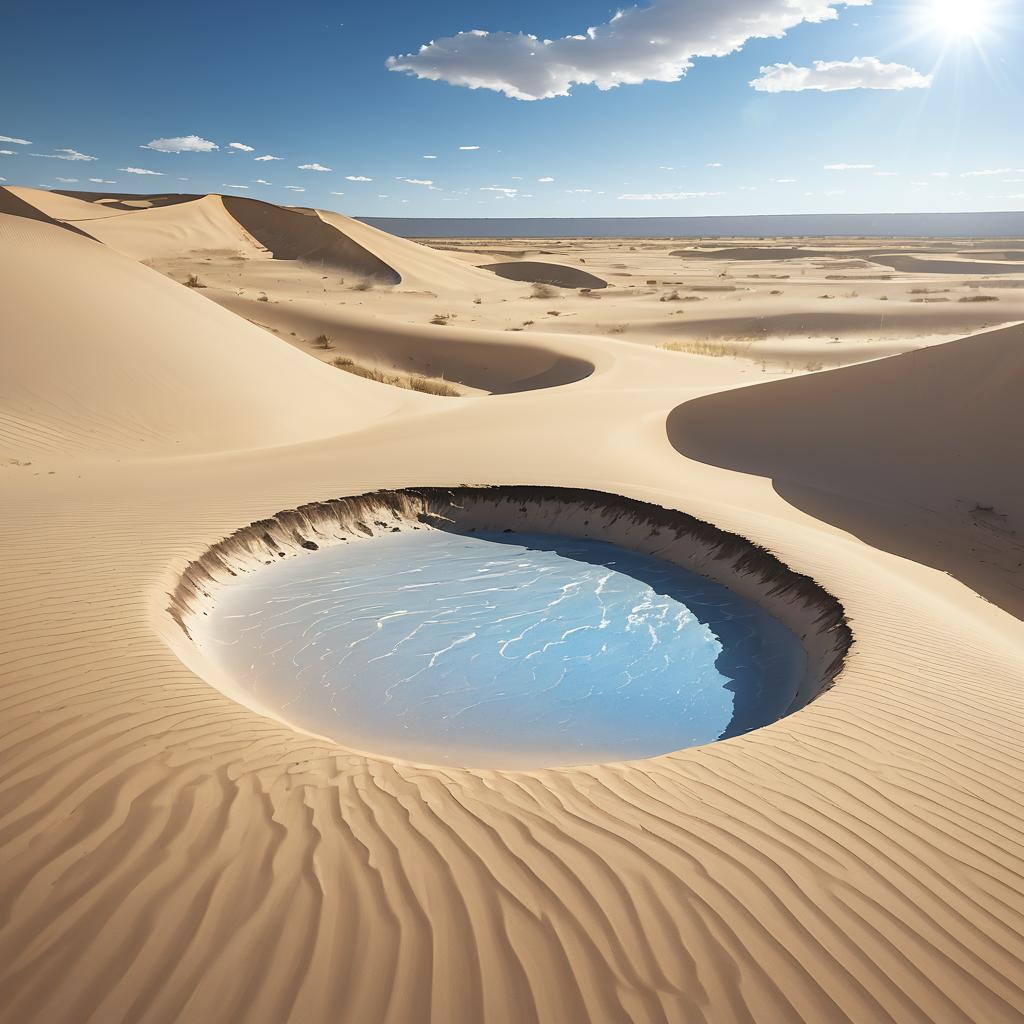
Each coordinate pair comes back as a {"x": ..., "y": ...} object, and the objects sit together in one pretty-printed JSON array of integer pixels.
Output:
[{"x": 533, "y": 109}]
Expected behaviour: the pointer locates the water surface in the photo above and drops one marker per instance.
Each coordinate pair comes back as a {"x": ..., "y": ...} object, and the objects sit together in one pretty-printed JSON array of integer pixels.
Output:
[{"x": 501, "y": 649}]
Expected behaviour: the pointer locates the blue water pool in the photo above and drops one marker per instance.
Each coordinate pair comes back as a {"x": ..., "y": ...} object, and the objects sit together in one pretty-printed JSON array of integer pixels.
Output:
[{"x": 501, "y": 650}]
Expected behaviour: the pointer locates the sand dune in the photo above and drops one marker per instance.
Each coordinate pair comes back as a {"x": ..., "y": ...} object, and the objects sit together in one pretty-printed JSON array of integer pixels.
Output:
[
  {"x": 546, "y": 273},
  {"x": 11, "y": 203},
  {"x": 299, "y": 235},
  {"x": 127, "y": 361},
  {"x": 487, "y": 361},
  {"x": 927, "y": 265},
  {"x": 169, "y": 855},
  {"x": 900, "y": 452}
]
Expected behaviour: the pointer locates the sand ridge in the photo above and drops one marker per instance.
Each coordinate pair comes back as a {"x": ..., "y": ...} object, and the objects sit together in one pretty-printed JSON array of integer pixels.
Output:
[{"x": 169, "y": 855}]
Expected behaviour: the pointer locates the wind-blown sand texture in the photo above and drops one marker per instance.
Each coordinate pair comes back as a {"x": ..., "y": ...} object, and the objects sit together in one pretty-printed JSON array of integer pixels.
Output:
[{"x": 169, "y": 855}]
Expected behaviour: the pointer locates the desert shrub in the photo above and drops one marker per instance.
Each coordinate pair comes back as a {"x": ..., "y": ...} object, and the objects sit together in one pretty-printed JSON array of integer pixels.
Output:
[
  {"x": 673, "y": 296},
  {"x": 433, "y": 386},
  {"x": 263, "y": 298},
  {"x": 617, "y": 329},
  {"x": 707, "y": 348},
  {"x": 811, "y": 366},
  {"x": 193, "y": 282},
  {"x": 417, "y": 382},
  {"x": 323, "y": 341},
  {"x": 544, "y": 291},
  {"x": 979, "y": 298},
  {"x": 362, "y": 286}
]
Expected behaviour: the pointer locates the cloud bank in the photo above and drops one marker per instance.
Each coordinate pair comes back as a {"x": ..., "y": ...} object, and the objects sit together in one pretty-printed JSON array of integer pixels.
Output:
[
  {"x": 839, "y": 76},
  {"x": 658, "y": 42},
  {"x": 182, "y": 144},
  {"x": 16, "y": 142}
]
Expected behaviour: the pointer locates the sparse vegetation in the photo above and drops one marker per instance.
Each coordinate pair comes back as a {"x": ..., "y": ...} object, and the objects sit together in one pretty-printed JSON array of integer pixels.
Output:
[
  {"x": 544, "y": 291},
  {"x": 414, "y": 382},
  {"x": 672, "y": 296},
  {"x": 323, "y": 341},
  {"x": 708, "y": 348},
  {"x": 362, "y": 286},
  {"x": 192, "y": 281},
  {"x": 979, "y": 298}
]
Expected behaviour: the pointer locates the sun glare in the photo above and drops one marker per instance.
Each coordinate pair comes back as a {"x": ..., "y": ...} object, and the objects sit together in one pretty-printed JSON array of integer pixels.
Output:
[{"x": 960, "y": 18}]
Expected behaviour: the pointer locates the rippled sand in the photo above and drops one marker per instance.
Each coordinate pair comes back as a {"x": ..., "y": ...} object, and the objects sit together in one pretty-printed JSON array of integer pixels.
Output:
[{"x": 169, "y": 855}]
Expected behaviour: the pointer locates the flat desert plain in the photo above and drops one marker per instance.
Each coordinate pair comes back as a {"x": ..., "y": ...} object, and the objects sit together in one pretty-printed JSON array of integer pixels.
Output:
[{"x": 175, "y": 368}]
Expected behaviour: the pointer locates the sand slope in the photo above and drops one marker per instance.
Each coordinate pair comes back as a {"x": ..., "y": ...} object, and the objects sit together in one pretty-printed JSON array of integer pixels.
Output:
[
  {"x": 902, "y": 452},
  {"x": 546, "y": 273},
  {"x": 167, "y": 855},
  {"x": 127, "y": 361}
]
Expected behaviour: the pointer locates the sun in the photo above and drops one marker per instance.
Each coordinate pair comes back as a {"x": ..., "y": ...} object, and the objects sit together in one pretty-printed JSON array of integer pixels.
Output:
[{"x": 959, "y": 19}]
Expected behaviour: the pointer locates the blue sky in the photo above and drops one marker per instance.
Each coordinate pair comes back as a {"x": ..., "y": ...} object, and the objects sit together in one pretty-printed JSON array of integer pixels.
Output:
[{"x": 308, "y": 83}]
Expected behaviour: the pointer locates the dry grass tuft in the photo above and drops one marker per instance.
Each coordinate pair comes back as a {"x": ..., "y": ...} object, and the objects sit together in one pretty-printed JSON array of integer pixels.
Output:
[
  {"x": 544, "y": 291},
  {"x": 416, "y": 382},
  {"x": 708, "y": 348}
]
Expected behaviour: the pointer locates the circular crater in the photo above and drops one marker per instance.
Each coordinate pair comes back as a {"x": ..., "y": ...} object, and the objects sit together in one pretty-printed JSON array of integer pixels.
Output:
[{"x": 513, "y": 627}]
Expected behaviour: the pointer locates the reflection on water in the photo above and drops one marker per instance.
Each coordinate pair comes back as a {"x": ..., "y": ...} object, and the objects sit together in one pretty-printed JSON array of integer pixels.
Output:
[{"x": 502, "y": 649}]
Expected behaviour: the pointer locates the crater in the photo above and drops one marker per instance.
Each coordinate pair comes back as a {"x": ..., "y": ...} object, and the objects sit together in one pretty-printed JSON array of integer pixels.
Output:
[{"x": 511, "y": 627}]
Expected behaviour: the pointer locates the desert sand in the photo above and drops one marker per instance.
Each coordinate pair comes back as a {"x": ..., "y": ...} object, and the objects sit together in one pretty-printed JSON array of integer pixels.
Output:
[{"x": 169, "y": 854}]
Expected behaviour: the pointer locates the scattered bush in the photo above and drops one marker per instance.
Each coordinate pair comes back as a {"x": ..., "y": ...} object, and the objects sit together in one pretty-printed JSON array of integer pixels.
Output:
[
  {"x": 979, "y": 298},
  {"x": 416, "y": 382},
  {"x": 362, "y": 286},
  {"x": 323, "y": 341},
  {"x": 707, "y": 348},
  {"x": 544, "y": 291},
  {"x": 193, "y": 282}
]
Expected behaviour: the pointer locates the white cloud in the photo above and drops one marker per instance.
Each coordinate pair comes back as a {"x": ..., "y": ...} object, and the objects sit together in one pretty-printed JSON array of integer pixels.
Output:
[
  {"x": 545, "y": 181},
  {"x": 468, "y": 149},
  {"x": 182, "y": 144},
  {"x": 140, "y": 170},
  {"x": 497, "y": 188},
  {"x": 241, "y": 146},
  {"x": 748, "y": 188},
  {"x": 68, "y": 181},
  {"x": 313, "y": 167},
  {"x": 657, "y": 42},
  {"x": 940, "y": 174},
  {"x": 3, "y": 179},
  {"x": 714, "y": 165},
  {"x": 103, "y": 181},
  {"x": 356, "y": 177},
  {"x": 64, "y": 154},
  {"x": 887, "y": 174},
  {"x": 260, "y": 181},
  {"x": 988, "y": 174},
  {"x": 15, "y": 142},
  {"x": 246, "y": 187},
  {"x": 294, "y": 188},
  {"x": 840, "y": 75},
  {"x": 7, "y": 152},
  {"x": 1019, "y": 195},
  {"x": 654, "y": 197},
  {"x": 417, "y": 181},
  {"x": 784, "y": 181},
  {"x": 849, "y": 167},
  {"x": 337, "y": 193},
  {"x": 382, "y": 197},
  {"x": 429, "y": 156},
  {"x": 577, "y": 191},
  {"x": 261, "y": 159}
]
